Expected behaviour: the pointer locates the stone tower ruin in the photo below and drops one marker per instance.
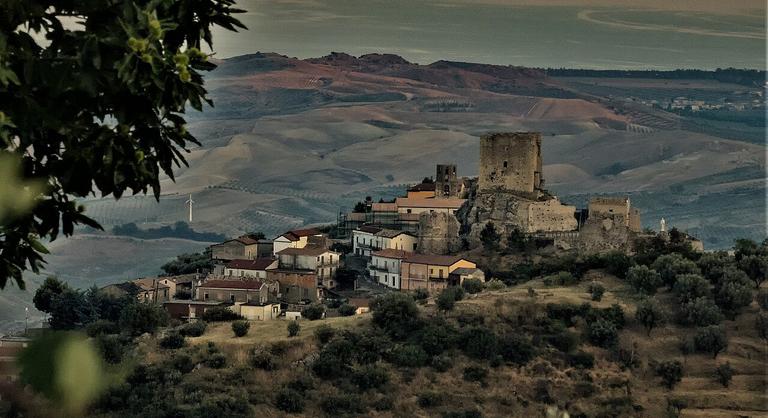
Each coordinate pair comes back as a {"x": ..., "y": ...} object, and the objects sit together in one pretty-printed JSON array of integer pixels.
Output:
[
  {"x": 446, "y": 181},
  {"x": 511, "y": 162}
]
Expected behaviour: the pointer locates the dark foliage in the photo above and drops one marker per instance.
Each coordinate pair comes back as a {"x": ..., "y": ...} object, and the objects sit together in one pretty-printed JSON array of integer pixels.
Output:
[
  {"x": 289, "y": 400},
  {"x": 671, "y": 372},
  {"x": 178, "y": 230},
  {"x": 172, "y": 341},
  {"x": 240, "y": 328},
  {"x": 220, "y": 314},
  {"x": 313, "y": 312},
  {"x": 188, "y": 264}
]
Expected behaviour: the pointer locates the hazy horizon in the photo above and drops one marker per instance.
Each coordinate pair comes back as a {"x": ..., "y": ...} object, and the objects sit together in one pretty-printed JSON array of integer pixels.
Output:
[{"x": 554, "y": 34}]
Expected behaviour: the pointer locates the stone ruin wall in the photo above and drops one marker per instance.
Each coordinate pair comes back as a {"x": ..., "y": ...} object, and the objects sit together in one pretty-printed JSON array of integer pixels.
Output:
[
  {"x": 510, "y": 161},
  {"x": 438, "y": 233},
  {"x": 605, "y": 233}
]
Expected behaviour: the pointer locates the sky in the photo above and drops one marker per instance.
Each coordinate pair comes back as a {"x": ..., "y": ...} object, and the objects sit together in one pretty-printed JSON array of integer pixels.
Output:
[{"x": 650, "y": 34}]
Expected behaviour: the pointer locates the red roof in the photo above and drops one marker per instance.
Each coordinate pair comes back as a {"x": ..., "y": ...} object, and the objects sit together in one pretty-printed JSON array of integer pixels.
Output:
[
  {"x": 257, "y": 264},
  {"x": 435, "y": 260},
  {"x": 298, "y": 233},
  {"x": 233, "y": 284},
  {"x": 391, "y": 253},
  {"x": 308, "y": 250},
  {"x": 369, "y": 229}
]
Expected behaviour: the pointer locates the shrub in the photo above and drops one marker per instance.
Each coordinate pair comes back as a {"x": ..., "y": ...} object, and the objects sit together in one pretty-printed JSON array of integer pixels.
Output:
[
  {"x": 650, "y": 314},
  {"x": 293, "y": 328},
  {"x": 420, "y": 294},
  {"x": 220, "y": 314},
  {"x": 596, "y": 291},
  {"x": 290, "y": 401},
  {"x": 111, "y": 347},
  {"x": 240, "y": 328},
  {"x": 102, "y": 327},
  {"x": 468, "y": 413},
  {"x": 139, "y": 318},
  {"x": 183, "y": 363},
  {"x": 383, "y": 404},
  {"x": 761, "y": 324},
  {"x": 263, "y": 360},
  {"x": 472, "y": 285},
  {"x": 541, "y": 392},
  {"x": 301, "y": 384},
  {"x": 397, "y": 314},
  {"x": 172, "y": 341},
  {"x": 475, "y": 374},
  {"x": 602, "y": 333},
  {"x": 447, "y": 299},
  {"x": 565, "y": 312},
  {"x": 724, "y": 374},
  {"x": 338, "y": 405},
  {"x": 732, "y": 296},
  {"x": 643, "y": 279},
  {"x": 700, "y": 312},
  {"x": 562, "y": 278},
  {"x": 436, "y": 337},
  {"x": 216, "y": 361},
  {"x": 756, "y": 267},
  {"x": 711, "y": 339},
  {"x": 671, "y": 372},
  {"x": 408, "y": 355},
  {"x": 313, "y": 312},
  {"x": 479, "y": 343},
  {"x": 516, "y": 349},
  {"x": 584, "y": 389},
  {"x": 617, "y": 263},
  {"x": 627, "y": 358},
  {"x": 430, "y": 399},
  {"x": 347, "y": 310},
  {"x": 564, "y": 341},
  {"x": 495, "y": 284},
  {"x": 324, "y": 333},
  {"x": 193, "y": 329},
  {"x": 762, "y": 299},
  {"x": 581, "y": 359},
  {"x": 441, "y": 363},
  {"x": 370, "y": 377},
  {"x": 672, "y": 265},
  {"x": 690, "y": 286},
  {"x": 489, "y": 237}
]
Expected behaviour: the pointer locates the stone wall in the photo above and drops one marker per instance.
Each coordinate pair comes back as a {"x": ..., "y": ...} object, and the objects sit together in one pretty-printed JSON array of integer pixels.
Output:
[
  {"x": 511, "y": 161},
  {"x": 446, "y": 181},
  {"x": 439, "y": 233},
  {"x": 551, "y": 216},
  {"x": 605, "y": 233}
]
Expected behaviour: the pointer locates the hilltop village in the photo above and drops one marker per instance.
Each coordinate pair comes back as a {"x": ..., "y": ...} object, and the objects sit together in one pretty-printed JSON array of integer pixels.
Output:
[{"x": 426, "y": 240}]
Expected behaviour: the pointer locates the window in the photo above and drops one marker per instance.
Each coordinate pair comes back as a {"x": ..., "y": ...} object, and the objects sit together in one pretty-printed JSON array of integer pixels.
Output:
[
  {"x": 408, "y": 211},
  {"x": 232, "y": 298},
  {"x": 505, "y": 163},
  {"x": 205, "y": 296}
]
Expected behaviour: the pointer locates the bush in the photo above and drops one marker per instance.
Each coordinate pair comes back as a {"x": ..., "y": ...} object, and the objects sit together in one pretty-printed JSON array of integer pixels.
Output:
[
  {"x": 102, "y": 327},
  {"x": 732, "y": 296},
  {"x": 441, "y": 363},
  {"x": 397, "y": 314},
  {"x": 447, "y": 299},
  {"x": 220, "y": 314},
  {"x": 408, "y": 356},
  {"x": 479, "y": 343},
  {"x": 581, "y": 359},
  {"x": 489, "y": 237},
  {"x": 313, "y": 312},
  {"x": 617, "y": 263},
  {"x": 430, "y": 399},
  {"x": 627, "y": 358},
  {"x": 643, "y": 279},
  {"x": 420, "y": 294},
  {"x": 111, "y": 347},
  {"x": 323, "y": 334},
  {"x": 347, "y": 310},
  {"x": 541, "y": 392},
  {"x": 338, "y": 405},
  {"x": 475, "y": 374},
  {"x": 711, "y": 339},
  {"x": 290, "y": 401},
  {"x": 301, "y": 384},
  {"x": 172, "y": 341},
  {"x": 183, "y": 363},
  {"x": 564, "y": 341},
  {"x": 495, "y": 284},
  {"x": 472, "y": 285},
  {"x": 468, "y": 413},
  {"x": 240, "y": 328},
  {"x": 562, "y": 278},
  {"x": 762, "y": 299},
  {"x": 602, "y": 333},
  {"x": 216, "y": 361},
  {"x": 293, "y": 328},
  {"x": 672, "y": 265},
  {"x": 650, "y": 314},
  {"x": 516, "y": 349},
  {"x": 761, "y": 324},
  {"x": 700, "y": 312},
  {"x": 193, "y": 329},
  {"x": 596, "y": 291},
  {"x": 263, "y": 360},
  {"x": 724, "y": 374},
  {"x": 690, "y": 286},
  {"x": 370, "y": 377},
  {"x": 139, "y": 318},
  {"x": 671, "y": 372}
]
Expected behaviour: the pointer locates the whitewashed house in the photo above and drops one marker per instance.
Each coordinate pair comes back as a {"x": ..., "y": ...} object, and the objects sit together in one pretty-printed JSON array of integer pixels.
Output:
[
  {"x": 384, "y": 267},
  {"x": 298, "y": 238},
  {"x": 256, "y": 269},
  {"x": 322, "y": 261}
]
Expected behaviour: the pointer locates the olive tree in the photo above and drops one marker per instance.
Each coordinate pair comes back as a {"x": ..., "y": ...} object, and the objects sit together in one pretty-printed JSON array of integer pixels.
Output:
[
  {"x": 96, "y": 107},
  {"x": 650, "y": 314}
]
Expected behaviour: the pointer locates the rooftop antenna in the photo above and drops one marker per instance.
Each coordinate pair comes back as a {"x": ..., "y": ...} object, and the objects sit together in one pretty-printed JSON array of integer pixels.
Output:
[{"x": 190, "y": 202}]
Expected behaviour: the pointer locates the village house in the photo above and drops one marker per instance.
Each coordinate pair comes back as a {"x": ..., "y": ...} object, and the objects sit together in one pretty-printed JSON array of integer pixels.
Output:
[
  {"x": 298, "y": 238},
  {"x": 417, "y": 206},
  {"x": 421, "y": 191},
  {"x": 181, "y": 284},
  {"x": 241, "y": 248},
  {"x": 146, "y": 290},
  {"x": 362, "y": 305},
  {"x": 367, "y": 239},
  {"x": 189, "y": 309},
  {"x": 384, "y": 267},
  {"x": 431, "y": 272},
  {"x": 296, "y": 286},
  {"x": 321, "y": 261},
  {"x": 457, "y": 277},
  {"x": 254, "y": 269},
  {"x": 232, "y": 291},
  {"x": 259, "y": 311}
]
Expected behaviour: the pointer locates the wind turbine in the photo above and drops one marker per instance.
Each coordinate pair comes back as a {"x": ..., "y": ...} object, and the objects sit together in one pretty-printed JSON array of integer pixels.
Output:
[{"x": 190, "y": 202}]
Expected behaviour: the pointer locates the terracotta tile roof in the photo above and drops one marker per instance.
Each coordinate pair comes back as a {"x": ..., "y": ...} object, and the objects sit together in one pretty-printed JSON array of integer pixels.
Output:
[
  {"x": 452, "y": 203},
  {"x": 233, "y": 284},
  {"x": 423, "y": 187},
  {"x": 308, "y": 250},
  {"x": 391, "y": 253},
  {"x": 149, "y": 283},
  {"x": 256, "y": 264},
  {"x": 391, "y": 233},
  {"x": 369, "y": 229},
  {"x": 384, "y": 207},
  {"x": 298, "y": 233},
  {"x": 432, "y": 259},
  {"x": 245, "y": 239}
]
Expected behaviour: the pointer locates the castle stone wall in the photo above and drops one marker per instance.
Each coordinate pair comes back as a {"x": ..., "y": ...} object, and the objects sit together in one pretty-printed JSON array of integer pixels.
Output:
[
  {"x": 511, "y": 161},
  {"x": 438, "y": 233}
]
